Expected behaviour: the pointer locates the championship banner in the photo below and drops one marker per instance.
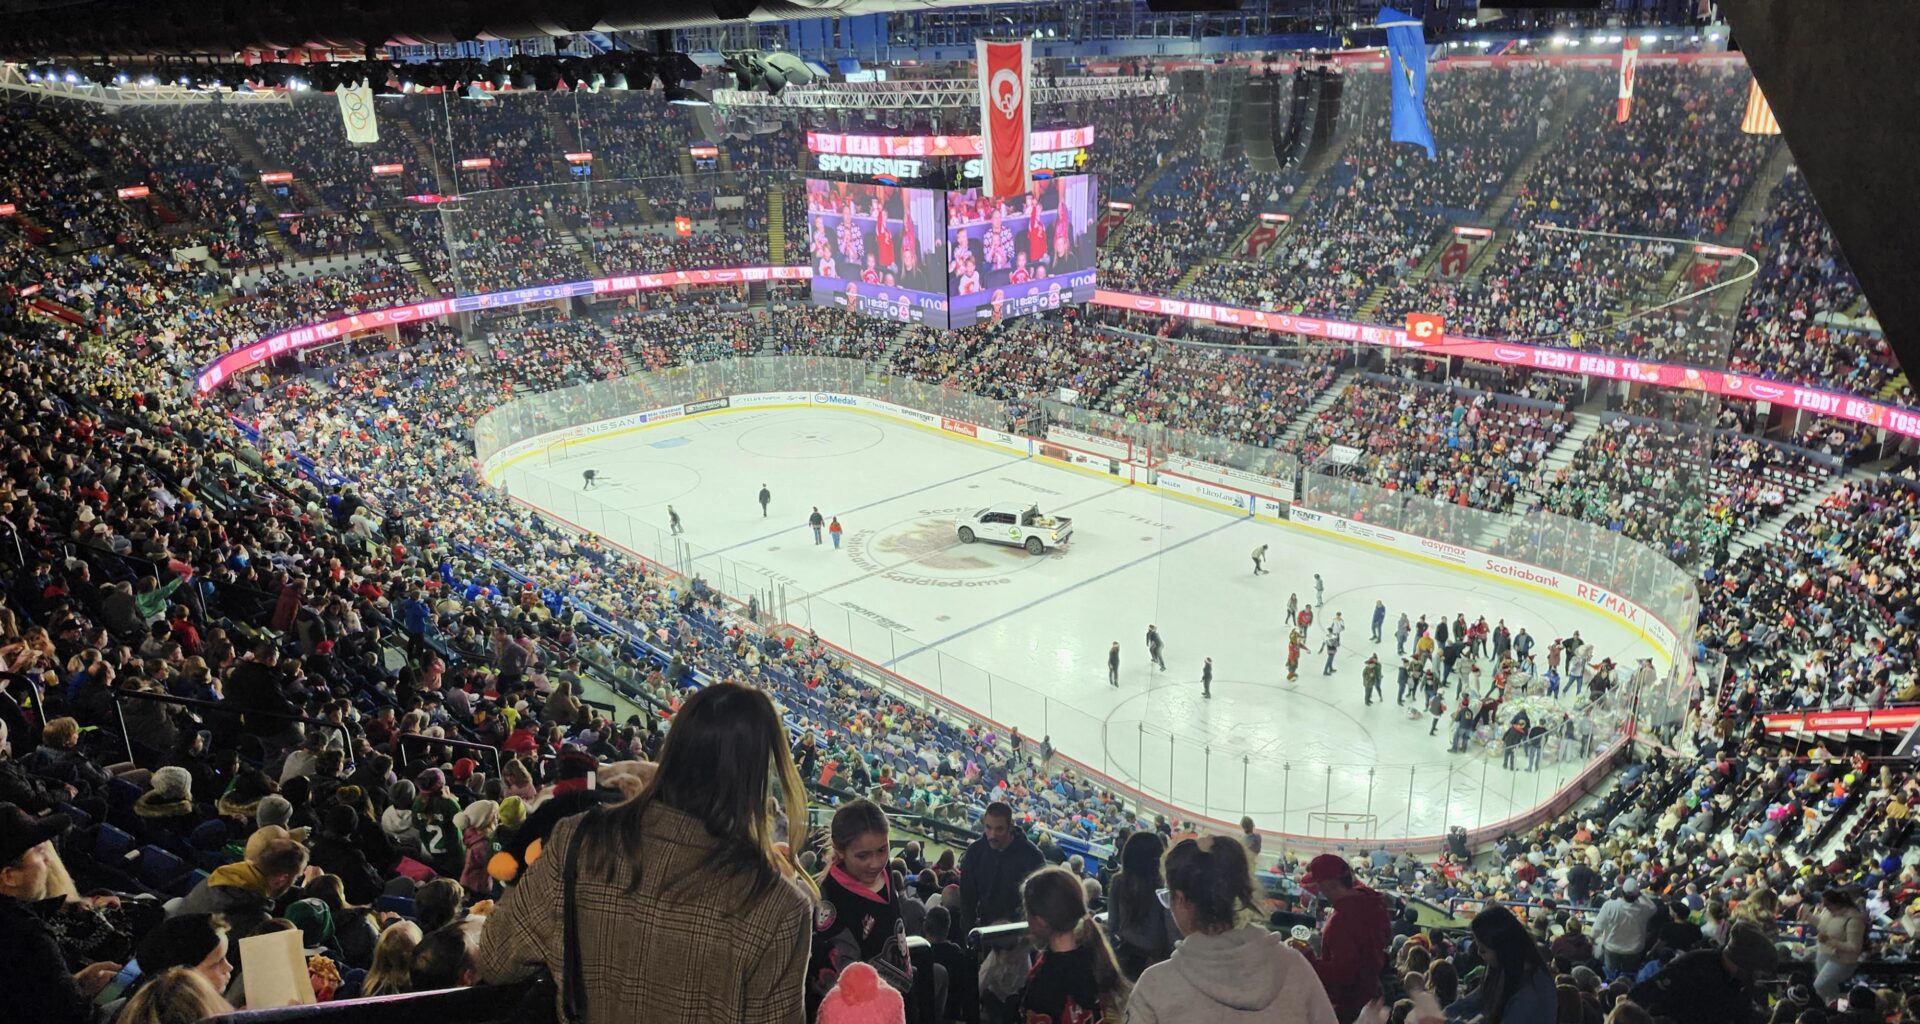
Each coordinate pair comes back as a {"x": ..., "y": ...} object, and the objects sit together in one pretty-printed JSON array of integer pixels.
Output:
[
  {"x": 1629, "y": 63},
  {"x": 1407, "y": 57},
  {"x": 356, "y": 112},
  {"x": 1006, "y": 109},
  {"x": 1759, "y": 119}
]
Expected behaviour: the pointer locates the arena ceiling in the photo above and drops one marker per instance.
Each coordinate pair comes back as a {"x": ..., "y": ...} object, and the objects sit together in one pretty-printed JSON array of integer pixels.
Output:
[
  {"x": 1840, "y": 80},
  {"x": 89, "y": 28}
]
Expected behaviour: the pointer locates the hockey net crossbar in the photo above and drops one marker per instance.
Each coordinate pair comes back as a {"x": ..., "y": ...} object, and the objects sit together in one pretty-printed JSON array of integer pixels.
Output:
[{"x": 1341, "y": 825}]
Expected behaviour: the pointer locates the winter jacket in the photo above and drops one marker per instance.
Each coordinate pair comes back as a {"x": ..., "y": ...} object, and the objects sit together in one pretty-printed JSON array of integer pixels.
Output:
[
  {"x": 238, "y": 891},
  {"x": 175, "y": 815},
  {"x": 1353, "y": 949},
  {"x": 402, "y": 830},
  {"x": 32, "y": 793},
  {"x": 473, "y": 873},
  {"x": 1242, "y": 976},
  {"x": 990, "y": 879}
]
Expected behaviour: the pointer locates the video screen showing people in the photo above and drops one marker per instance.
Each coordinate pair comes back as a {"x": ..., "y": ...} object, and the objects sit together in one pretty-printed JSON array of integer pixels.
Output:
[
  {"x": 879, "y": 250},
  {"x": 1012, "y": 256}
]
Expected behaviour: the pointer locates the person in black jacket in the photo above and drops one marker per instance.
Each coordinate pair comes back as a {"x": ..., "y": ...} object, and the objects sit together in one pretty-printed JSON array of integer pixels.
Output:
[
  {"x": 858, "y": 918},
  {"x": 255, "y": 686},
  {"x": 1710, "y": 986},
  {"x": 993, "y": 868},
  {"x": 33, "y": 973},
  {"x": 335, "y": 851}
]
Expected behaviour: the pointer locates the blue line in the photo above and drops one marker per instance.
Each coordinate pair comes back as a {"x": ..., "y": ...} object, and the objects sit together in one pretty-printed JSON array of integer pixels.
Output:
[
  {"x": 882, "y": 501},
  {"x": 1044, "y": 598}
]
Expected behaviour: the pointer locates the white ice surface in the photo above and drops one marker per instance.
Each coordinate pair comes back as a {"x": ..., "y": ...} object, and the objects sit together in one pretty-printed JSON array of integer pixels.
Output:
[{"x": 1023, "y": 640}]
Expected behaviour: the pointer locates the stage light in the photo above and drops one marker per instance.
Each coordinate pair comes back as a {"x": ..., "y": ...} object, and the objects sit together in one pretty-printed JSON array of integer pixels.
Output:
[{"x": 681, "y": 96}]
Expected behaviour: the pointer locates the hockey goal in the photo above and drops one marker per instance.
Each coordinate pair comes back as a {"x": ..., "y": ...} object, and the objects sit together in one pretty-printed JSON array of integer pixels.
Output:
[{"x": 1339, "y": 825}]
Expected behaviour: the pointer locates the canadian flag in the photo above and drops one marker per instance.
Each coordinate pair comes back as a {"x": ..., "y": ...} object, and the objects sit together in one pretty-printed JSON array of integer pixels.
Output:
[
  {"x": 1006, "y": 106},
  {"x": 1629, "y": 62}
]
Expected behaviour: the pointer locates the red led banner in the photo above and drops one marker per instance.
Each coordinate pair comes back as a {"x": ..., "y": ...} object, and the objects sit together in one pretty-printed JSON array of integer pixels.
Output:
[
  {"x": 379, "y": 169},
  {"x": 923, "y": 146},
  {"x": 1560, "y": 360},
  {"x": 133, "y": 192},
  {"x": 276, "y": 177},
  {"x": 475, "y": 163}
]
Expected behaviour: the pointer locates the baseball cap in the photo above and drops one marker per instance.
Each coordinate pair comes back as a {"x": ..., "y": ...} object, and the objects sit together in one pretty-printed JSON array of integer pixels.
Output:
[
  {"x": 20, "y": 831},
  {"x": 1326, "y": 867}
]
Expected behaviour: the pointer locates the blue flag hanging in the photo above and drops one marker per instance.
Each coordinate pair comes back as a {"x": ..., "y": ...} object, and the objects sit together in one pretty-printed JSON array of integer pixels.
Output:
[{"x": 1407, "y": 57}]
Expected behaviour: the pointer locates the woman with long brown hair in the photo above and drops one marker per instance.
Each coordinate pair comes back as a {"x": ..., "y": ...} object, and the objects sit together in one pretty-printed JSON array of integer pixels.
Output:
[{"x": 684, "y": 909}]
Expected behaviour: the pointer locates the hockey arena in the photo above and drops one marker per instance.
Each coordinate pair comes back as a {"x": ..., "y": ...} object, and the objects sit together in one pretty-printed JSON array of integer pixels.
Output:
[{"x": 919, "y": 512}]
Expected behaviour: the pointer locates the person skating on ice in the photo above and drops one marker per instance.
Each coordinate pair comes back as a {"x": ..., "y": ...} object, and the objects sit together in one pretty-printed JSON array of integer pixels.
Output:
[
  {"x": 1113, "y": 664},
  {"x": 673, "y": 521},
  {"x": 834, "y": 531},
  {"x": 766, "y": 498},
  {"x": 1379, "y": 619},
  {"x": 1400, "y": 633},
  {"x": 1370, "y": 679},
  {"x": 586, "y": 477},
  {"x": 1319, "y": 591},
  {"x": 1305, "y": 620},
  {"x": 1295, "y": 644},
  {"x": 1293, "y": 609},
  {"x": 1259, "y": 557},
  {"x": 1206, "y": 680},
  {"x": 1332, "y": 647},
  {"x": 1153, "y": 648},
  {"x": 817, "y": 521},
  {"x": 1406, "y": 681},
  {"x": 1337, "y": 629}
]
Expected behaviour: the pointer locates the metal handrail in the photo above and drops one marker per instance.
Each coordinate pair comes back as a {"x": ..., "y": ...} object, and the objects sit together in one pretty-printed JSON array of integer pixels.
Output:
[
  {"x": 400, "y": 748},
  {"x": 215, "y": 706}
]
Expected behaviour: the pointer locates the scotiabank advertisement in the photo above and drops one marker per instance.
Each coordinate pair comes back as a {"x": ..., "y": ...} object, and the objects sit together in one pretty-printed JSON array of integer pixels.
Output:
[{"x": 1021, "y": 255}]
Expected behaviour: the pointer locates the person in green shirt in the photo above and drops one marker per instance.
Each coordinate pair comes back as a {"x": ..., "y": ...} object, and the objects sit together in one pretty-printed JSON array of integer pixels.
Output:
[
  {"x": 434, "y": 810},
  {"x": 150, "y": 596}
]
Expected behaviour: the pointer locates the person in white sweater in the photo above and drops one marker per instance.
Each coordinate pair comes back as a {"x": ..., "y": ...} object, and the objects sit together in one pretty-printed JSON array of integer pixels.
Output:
[
  {"x": 1224, "y": 972},
  {"x": 1840, "y": 941}
]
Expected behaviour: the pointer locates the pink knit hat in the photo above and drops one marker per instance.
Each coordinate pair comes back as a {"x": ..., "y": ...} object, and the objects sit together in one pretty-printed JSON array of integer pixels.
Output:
[{"x": 861, "y": 998}]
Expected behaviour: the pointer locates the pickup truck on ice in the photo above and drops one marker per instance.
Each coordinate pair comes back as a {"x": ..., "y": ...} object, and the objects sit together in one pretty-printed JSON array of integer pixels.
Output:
[{"x": 1009, "y": 524}]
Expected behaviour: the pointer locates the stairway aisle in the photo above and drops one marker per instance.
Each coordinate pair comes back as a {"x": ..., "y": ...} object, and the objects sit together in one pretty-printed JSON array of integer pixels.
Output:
[{"x": 1297, "y": 427}]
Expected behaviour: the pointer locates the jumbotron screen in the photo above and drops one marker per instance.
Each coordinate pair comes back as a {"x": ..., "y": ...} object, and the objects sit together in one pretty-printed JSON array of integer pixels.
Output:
[
  {"x": 879, "y": 250},
  {"x": 1010, "y": 257}
]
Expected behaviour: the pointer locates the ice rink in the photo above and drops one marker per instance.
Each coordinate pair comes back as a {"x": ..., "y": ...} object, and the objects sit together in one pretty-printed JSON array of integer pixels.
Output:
[{"x": 1024, "y": 639}]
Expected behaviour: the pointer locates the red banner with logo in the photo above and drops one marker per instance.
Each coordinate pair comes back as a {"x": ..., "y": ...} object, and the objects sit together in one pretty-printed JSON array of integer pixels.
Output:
[
  {"x": 1006, "y": 107},
  {"x": 1426, "y": 327},
  {"x": 1629, "y": 63}
]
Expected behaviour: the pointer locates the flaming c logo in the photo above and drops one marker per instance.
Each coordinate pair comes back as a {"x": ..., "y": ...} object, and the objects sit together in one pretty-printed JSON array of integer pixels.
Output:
[{"x": 1005, "y": 88}]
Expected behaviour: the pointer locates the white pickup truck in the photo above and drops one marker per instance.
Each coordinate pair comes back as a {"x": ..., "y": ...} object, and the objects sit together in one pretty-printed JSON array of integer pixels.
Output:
[{"x": 1010, "y": 524}]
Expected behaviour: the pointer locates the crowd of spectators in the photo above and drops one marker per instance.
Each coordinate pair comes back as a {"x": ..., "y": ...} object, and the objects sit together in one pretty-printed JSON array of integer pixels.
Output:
[
  {"x": 1684, "y": 490},
  {"x": 336, "y": 558},
  {"x": 1454, "y": 445}
]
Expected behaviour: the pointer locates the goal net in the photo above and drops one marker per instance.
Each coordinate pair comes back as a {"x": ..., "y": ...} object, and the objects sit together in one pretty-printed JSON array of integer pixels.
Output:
[{"x": 1339, "y": 825}]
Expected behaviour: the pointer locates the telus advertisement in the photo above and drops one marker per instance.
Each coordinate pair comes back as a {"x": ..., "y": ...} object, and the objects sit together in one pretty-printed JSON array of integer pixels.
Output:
[
  {"x": 879, "y": 250},
  {"x": 1023, "y": 254}
]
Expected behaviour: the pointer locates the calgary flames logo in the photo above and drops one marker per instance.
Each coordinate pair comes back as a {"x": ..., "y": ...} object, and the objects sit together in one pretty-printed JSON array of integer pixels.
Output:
[{"x": 1006, "y": 90}]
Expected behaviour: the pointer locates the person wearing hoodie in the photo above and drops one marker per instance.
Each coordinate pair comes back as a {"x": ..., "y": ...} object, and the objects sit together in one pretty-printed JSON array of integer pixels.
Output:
[
  {"x": 476, "y": 824},
  {"x": 1353, "y": 939},
  {"x": 399, "y": 823},
  {"x": 245, "y": 892},
  {"x": 1224, "y": 971}
]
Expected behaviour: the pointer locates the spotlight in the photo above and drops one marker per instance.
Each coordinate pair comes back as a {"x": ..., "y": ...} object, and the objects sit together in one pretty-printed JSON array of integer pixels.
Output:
[{"x": 681, "y": 96}]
